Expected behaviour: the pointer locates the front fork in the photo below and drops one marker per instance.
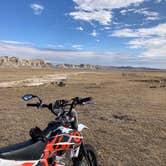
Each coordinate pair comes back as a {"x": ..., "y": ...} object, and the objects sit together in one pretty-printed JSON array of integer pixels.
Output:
[{"x": 85, "y": 154}]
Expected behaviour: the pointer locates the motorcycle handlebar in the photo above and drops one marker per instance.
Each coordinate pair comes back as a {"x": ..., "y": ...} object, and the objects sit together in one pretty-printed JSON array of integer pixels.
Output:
[
  {"x": 84, "y": 100},
  {"x": 32, "y": 105},
  {"x": 63, "y": 103},
  {"x": 38, "y": 105}
]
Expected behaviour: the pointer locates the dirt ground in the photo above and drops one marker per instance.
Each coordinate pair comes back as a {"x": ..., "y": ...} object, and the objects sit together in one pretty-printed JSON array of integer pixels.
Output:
[{"x": 127, "y": 123}]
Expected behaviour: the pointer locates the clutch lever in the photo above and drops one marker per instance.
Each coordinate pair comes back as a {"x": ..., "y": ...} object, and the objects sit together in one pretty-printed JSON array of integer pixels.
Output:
[{"x": 89, "y": 103}]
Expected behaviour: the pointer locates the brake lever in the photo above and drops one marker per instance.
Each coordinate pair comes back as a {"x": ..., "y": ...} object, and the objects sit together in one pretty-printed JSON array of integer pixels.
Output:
[{"x": 90, "y": 103}]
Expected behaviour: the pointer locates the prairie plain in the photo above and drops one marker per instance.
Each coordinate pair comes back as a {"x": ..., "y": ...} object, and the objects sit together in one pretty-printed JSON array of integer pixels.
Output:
[{"x": 127, "y": 124}]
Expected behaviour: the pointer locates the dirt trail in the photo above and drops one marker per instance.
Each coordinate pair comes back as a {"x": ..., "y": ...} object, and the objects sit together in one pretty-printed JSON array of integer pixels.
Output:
[{"x": 39, "y": 80}]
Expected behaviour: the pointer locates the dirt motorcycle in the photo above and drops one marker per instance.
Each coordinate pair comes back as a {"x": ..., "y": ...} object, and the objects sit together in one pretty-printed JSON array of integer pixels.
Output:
[{"x": 48, "y": 147}]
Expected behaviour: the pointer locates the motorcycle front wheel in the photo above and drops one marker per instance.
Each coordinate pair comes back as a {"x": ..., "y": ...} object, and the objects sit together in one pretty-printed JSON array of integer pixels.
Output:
[{"x": 87, "y": 156}]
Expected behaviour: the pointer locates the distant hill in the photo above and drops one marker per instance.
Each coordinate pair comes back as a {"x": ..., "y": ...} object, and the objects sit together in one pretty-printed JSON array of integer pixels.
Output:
[
  {"x": 14, "y": 62},
  {"x": 88, "y": 66},
  {"x": 81, "y": 66},
  {"x": 130, "y": 68}
]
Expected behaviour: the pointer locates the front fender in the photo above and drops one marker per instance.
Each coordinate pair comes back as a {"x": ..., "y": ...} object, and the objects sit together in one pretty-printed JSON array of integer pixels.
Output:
[{"x": 81, "y": 127}]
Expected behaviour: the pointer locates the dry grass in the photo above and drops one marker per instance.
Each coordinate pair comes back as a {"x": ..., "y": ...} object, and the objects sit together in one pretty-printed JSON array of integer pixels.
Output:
[{"x": 127, "y": 124}]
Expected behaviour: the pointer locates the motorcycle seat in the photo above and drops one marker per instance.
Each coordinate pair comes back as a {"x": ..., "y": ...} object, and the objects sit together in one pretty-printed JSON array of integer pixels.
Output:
[{"x": 28, "y": 150}]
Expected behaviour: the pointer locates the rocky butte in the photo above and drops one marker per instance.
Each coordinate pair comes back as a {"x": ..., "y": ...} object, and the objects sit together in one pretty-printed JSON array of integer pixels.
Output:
[{"x": 7, "y": 61}]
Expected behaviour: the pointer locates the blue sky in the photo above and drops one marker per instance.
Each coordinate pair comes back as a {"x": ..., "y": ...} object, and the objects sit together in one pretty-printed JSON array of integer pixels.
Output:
[{"x": 106, "y": 32}]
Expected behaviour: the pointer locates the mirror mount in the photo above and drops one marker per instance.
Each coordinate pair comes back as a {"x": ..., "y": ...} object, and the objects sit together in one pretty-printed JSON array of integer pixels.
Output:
[{"x": 28, "y": 97}]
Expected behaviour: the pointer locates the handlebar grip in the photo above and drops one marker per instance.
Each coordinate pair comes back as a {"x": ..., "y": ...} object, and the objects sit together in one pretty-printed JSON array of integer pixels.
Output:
[
  {"x": 32, "y": 105},
  {"x": 45, "y": 106},
  {"x": 85, "y": 99}
]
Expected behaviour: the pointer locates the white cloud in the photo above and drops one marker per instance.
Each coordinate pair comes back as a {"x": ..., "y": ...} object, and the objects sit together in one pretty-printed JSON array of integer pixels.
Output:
[
  {"x": 94, "y": 33},
  {"x": 152, "y": 18},
  {"x": 54, "y": 46},
  {"x": 125, "y": 33},
  {"x": 99, "y": 10},
  {"x": 156, "y": 52},
  {"x": 154, "y": 46},
  {"x": 151, "y": 15},
  {"x": 101, "y": 16},
  {"x": 80, "y": 28},
  {"x": 77, "y": 46},
  {"x": 145, "y": 12},
  {"x": 107, "y": 28},
  {"x": 159, "y": 30},
  {"x": 15, "y": 42},
  {"x": 77, "y": 56},
  {"x": 37, "y": 9},
  {"x": 148, "y": 42},
  {"x": 91, "y": 5},
  {"x": 125, "y": 11},
  {"x": 151, "y": 40}
]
